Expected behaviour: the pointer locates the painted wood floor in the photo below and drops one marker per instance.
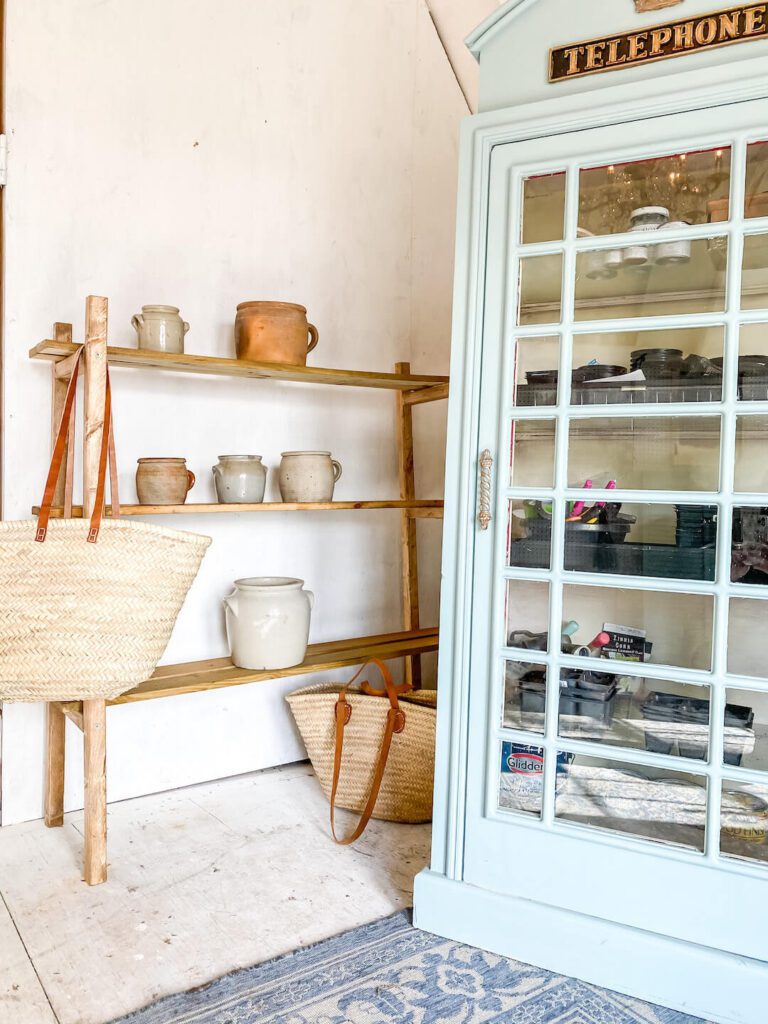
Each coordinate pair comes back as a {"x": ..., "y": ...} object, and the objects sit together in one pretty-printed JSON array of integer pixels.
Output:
[{"x": 202, "y": 881}]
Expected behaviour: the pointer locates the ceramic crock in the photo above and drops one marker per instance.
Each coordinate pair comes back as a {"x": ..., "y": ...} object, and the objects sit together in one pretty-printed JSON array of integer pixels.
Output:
[
  {"x": 163, "y": 481},
  {"x": 645, "y": 218},
  {"x": 274, "y": 332},
  {"x": 268, "y": 622},
  {"x": 240, "y": 479},
  {"x": 308, "y": 476},
  {"x": 160, "y": 328}
]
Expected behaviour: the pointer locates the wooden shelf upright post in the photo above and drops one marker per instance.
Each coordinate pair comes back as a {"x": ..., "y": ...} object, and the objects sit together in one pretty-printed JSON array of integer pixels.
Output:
[
  {"x": 94, "y": 711},
  {"x": 410, "y": 565}
]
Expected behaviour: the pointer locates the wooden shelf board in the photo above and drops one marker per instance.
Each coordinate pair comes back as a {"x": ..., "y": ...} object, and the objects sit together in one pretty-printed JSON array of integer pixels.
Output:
[
  {"x": 427, "y": 509},
  {"x": 188, "y": 363},
  {"x": 217, "y": 673}
]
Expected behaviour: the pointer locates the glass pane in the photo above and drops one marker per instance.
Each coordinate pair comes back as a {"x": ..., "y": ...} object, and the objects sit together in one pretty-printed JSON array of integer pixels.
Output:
[
  {"x": 685, "y": 187},
  {"x": 653, "y": 803},
  {"x": 536, "y": 371},
  {"x": 754, "y": 275},
  {"x": 521, "y": 780},
  {"x": 543, "y": 208},
  {"x": 643, "y": 625},
  {"x": 649, "y": 453},
  {"x": 532, "y": 453},
  {"x": 756, "y": 199},
  {"x": 658, "y": 715},
  {"x": 525, "y": 695},
  {"x": 541, "y": 282},
  {"x": 753, "y": 363},
  {"x": 527, "y": 614},
  {"x": 530, "y": 534},
  {"x": 659, "y": 366},
  {"x": 644, "y": 282},
  {"x": 751, "y": 465},
  {"x": 747, "y": 621},
  {"x": 671, "y": 541},
  {"x": 744, "y": 821},
  {"x": 749, "y": 547},
  {"x": 746, "y": 729}
]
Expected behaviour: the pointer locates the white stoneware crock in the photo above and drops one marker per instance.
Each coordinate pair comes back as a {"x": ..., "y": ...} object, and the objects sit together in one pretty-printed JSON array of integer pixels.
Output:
[
  {"x": 308, "y": 476},
  {"x": 240, "y": 479},
  {"x": 160, "y": 328},
  {"x": 268, "y": 622}
]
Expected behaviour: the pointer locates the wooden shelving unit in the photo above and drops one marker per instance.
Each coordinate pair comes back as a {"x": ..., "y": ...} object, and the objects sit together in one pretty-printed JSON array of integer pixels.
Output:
[
  {"x": 415, "y": 509},
  {"x": 174, "y": 680}
]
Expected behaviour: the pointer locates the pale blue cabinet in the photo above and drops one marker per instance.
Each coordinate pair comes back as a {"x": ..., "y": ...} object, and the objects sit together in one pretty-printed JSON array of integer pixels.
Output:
[{"x": 601, "y": 803}]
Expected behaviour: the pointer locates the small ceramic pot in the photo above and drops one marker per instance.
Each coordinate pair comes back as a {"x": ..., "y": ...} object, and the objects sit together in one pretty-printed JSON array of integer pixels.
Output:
[
  {"x": 308, "y": 476},
  {"x": 160, "y": 328},
  {"x": 240, "y": 479},
  {"x": 163, "y": 481},
  {"x": 274, "y": 332},
  {"x": 268, "y": 622},
  {"x": 674, "y": 252},
  {"x": 645, "y": 218}
]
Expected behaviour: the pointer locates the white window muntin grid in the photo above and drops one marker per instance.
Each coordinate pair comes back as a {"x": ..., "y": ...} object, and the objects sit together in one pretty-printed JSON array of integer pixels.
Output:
[{"x": 731, "y": 318}]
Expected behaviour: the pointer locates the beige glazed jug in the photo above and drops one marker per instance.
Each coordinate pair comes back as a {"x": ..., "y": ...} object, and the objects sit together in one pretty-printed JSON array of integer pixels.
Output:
[
  {"x": 160, "y": 328},
  {"x": 308, "y": 476},
  {"x": 163, "y": 481},
  {"x": 240, "y": 479},
  {"x": 268, "y": 622}
]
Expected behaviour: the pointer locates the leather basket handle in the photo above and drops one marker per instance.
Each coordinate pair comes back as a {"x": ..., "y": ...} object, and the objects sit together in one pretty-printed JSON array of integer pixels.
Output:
[
  {"x": 106, "y": 455},
  {"x": 395, "y": 724}
]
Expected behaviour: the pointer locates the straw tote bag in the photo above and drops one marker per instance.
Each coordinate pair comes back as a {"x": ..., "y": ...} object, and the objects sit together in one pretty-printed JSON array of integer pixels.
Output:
[
  {"x": 87, "y": 608},
  {"x": 373, "y": 751}
]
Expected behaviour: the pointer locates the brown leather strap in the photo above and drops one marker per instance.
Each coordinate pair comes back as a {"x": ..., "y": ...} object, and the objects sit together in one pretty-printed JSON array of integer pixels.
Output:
[
  {"x": 107, "y": 455},
  {"x": 395, "y": 724},
  {"x": 58, "y": 452}
]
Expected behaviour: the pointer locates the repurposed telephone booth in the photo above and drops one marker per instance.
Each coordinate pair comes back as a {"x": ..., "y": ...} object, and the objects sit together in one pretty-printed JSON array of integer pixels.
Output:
[{"x": 601, "y": 804}]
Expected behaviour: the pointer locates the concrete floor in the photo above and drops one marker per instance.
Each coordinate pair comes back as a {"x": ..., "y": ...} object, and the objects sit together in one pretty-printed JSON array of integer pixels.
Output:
[{"x": 201, "y": 881}]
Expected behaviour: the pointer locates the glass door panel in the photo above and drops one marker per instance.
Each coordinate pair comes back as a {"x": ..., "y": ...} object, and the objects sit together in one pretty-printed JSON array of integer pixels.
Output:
[
  {"x": 618, "y": 688},
  {"x": 648, "y": 367},
  {"x": 680, "y": 188}
]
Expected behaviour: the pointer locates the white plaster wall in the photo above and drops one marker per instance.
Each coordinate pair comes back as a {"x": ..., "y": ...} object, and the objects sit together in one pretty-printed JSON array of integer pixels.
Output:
[{"x": 202, "y": 154}]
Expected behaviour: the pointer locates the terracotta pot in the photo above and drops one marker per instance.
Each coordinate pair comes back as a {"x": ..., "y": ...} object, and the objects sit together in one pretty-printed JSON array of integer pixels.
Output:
[
  {"x": 308, "y": 476},
  {"x": 274, "y": 332},
  {"x": 160, "y": 328},
  {"x": 163, "y": 481}
]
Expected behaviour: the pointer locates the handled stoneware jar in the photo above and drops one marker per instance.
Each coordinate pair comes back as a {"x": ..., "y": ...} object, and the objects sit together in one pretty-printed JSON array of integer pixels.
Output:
[
  {"x": 240, "y": 479},
  {"x": 268, "y": 622},
  {"x": 274, "y": 332},
  {"x": 163, "y": 481},
  {"x": 308, "y": 476},
  {"x": 160, "y": 328}
]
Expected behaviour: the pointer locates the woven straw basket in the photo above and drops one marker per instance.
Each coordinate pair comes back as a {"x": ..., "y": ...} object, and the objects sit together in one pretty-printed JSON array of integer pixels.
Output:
[
  {"x": 81, "y": 621},
  {"x": 406, "y": 788}
]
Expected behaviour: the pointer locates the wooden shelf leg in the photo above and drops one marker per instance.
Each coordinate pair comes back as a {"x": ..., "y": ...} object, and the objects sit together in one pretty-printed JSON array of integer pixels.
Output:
[
  {"x": 54, "y": 765},
  {"x": 95, "y": 772},
  {"x": 410, "y": 567}
]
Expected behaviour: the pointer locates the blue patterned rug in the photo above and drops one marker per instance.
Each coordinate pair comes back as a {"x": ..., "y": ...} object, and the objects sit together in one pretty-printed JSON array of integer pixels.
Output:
[{"x": 391, "y": 973}]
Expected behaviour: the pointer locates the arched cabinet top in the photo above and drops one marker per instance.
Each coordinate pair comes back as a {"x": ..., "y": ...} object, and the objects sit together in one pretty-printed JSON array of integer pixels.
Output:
[{"x": 513, "y": 44}]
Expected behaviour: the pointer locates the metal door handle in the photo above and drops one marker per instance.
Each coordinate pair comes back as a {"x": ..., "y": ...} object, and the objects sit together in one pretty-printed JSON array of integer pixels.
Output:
[{"x": 484, "y": 513}]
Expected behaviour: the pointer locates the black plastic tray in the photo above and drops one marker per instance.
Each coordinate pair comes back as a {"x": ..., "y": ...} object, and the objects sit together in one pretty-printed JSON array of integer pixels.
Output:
[{"x": 666, "y": 561}]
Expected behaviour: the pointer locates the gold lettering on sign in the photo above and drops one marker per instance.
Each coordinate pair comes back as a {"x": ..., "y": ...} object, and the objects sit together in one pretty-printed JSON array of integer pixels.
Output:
[{"x": 705, "y": 31}]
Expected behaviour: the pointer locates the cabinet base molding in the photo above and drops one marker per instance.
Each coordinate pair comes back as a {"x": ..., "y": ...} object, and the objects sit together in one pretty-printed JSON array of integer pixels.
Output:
[{"x": 697, "y": 980}]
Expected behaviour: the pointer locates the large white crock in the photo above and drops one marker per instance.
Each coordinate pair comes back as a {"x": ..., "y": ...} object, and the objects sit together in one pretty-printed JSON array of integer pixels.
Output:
[{"x": 268, "y": 622}]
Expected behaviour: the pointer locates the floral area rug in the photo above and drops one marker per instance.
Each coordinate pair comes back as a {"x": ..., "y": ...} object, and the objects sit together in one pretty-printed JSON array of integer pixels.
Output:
[{"x": 391, "y": 973}]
